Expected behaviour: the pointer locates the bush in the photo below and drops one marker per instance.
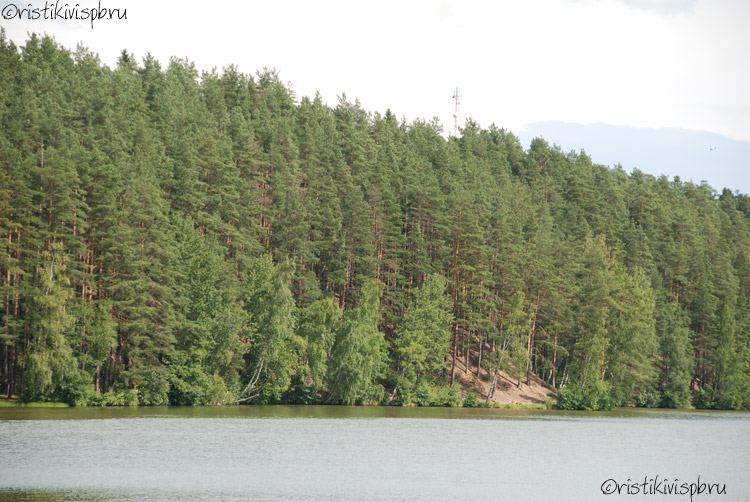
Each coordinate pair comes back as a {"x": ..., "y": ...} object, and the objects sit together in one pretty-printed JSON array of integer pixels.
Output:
[
  {"x": 570, "y": 398},
  {"x": 437, "y": 395},
  {"x": 704, "y": 400},
  {"x": 154, "y": 388},
  {"x": 76, "y": 390},
  {"x": 216, "y": 391},
  {"x": 471, "y": 401},
  {"x": 595, "y": 396},
  {"x": 449, "y": 395},
  {"x": 121, "y": 397},
  {"x": 650, "y": 399},
  {"x": 300, "y": 392},
  {"x": 425, "y": 395}
]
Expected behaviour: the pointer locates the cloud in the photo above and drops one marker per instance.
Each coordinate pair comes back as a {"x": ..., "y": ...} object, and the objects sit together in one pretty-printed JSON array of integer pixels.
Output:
[
  {"x": 668, "y": 7},
  {"x": 664, "y": 7},
  {"x": 444, "y": 13}
]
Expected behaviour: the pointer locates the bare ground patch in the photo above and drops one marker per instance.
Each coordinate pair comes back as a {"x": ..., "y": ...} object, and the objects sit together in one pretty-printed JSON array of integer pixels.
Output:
[{"x": 507, "y": 390}]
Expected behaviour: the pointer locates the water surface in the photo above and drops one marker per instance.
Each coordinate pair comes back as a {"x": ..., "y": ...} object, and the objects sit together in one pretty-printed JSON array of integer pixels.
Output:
[{"x": 364, "y": 453}]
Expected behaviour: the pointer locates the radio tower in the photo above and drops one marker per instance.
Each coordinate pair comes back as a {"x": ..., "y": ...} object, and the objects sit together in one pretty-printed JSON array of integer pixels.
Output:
[{"x": 457, "y": 103}]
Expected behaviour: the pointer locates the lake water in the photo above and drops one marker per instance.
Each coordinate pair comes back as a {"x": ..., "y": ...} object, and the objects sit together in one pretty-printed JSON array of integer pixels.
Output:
[{"x": 368, "y": 453}]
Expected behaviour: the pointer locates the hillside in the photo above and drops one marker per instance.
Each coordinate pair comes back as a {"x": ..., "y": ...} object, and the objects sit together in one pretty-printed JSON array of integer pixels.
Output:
[
  {"x": 507, "y": 390},
  {"x": 170, "y": 237}
]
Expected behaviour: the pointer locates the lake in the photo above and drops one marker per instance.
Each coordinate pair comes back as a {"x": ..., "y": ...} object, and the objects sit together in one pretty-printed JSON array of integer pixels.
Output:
[{"x": 370, "y": 453}]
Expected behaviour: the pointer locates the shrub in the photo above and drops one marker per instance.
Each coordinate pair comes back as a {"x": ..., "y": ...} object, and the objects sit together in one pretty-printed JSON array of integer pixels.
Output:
[
  {"x": 595, "y": 396},
  {"x": 121, "y": 397},
  {"x": 471, "y": 401}
]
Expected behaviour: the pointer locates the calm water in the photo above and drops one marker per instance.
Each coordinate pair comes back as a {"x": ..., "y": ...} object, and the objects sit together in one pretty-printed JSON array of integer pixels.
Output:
[{"x": 361, "y": 453}]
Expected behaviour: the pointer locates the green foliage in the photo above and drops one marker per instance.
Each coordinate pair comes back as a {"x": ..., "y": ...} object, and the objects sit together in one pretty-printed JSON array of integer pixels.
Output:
[
  {"x": 677, "y": 361},
  {"x": 21, "y": 404},
  {"x": 633, "y": 346},
  {"x": 471, "y": 401},
  {"x": 357, "y": 359},
  {"x": 729, "y": 383},
  {"x": 120, "y": 397},
  {"x": 596, "y": 396},
  {"x": 49, "y": 362},
  {"x": 317, "y": 327},
  {"x": 427, "y": 394},
  {"x": 650, "y": 400},
  {"x": 153, "y": 389},
  {"x": 204, "y": 360},
  {"x": 274, "y": 344},
  {"x": 170, "y": 237},
  {"x": 424, "y": 339}
]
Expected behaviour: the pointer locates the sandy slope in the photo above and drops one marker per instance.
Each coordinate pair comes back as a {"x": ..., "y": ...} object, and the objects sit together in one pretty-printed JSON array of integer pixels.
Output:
[{"x": 506, "y": 391}]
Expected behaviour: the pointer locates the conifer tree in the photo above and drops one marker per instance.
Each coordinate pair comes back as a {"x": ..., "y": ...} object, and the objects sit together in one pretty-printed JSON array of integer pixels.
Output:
[{"x": 212, "y": 238}]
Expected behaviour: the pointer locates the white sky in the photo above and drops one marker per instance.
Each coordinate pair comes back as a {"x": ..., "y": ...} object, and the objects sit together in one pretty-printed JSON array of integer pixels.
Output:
[{"x": 641, "y": 63}]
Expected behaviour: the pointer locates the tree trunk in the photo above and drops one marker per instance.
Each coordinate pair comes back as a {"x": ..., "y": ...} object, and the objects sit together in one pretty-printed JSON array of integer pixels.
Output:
[
  {"x": 395, "y": 389},
  {"x": 12, "y": 365},
  {"x": 530, "y": 341},
  {"x": 4, "y": 375},
  {"x": 494, "y": 382},
  {"x": 98, "y": 375},
  {"x": 455, "y": 295},
  {"x": 479, "y": 358},
  {"x": 455, "y": 352},
  {"x": 554, "y": 360}
]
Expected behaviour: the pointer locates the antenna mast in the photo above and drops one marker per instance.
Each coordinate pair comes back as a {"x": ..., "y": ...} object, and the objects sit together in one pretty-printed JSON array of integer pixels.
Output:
[{"x": 457, "y": 103}]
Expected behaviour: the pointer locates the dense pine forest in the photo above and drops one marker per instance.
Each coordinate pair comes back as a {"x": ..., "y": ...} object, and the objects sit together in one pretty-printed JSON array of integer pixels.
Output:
[{"x": 170, "y": 237}]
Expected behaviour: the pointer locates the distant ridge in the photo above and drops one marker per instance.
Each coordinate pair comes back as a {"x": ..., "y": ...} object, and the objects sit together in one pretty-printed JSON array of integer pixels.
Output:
[{"x": 721, "y": 161}]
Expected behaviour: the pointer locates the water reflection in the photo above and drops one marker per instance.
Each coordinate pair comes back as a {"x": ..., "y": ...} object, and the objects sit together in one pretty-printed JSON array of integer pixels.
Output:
[{"x": 289, "y": 411}]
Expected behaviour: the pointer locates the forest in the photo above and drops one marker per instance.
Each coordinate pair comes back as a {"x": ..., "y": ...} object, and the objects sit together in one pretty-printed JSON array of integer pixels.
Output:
[{"x": 176, "y": 237}]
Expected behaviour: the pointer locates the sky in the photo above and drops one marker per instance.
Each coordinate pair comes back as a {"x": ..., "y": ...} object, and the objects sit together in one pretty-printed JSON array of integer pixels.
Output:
[{"x": 661, "y": 85}]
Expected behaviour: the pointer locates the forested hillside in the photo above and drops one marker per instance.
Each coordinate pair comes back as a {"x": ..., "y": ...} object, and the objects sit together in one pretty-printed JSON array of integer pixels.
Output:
[{"x": 170, "y": 237}]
